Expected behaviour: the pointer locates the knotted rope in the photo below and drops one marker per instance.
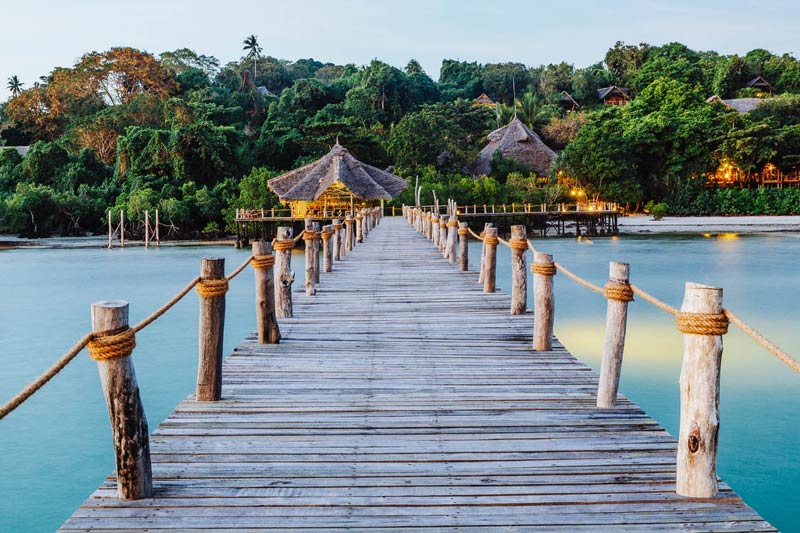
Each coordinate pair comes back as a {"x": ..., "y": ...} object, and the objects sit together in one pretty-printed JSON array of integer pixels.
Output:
[
  {"x": 475, "y": 235},
  {"x": 326, "y": 234},
  {"x": 490, "y": 240},
  {"x": 702, "y": 323},
  {"x": 618, "y": 290},
  {"x": 452, "y": 223},
  {"x": 518, "y": 244},
  {"x": 210, "y": 288},
  {"x": 309, "y": 235},
  {"x": 104, "y": 346},
  {"x": 435, "y": 220},
  {"x": 443, "y": 225},
  {"x": 283, "y": 245},
  {"x": 463, "y": 231},
  {"x": 337, "y": 227},
  {"x": 262, "y": 261},
  {"x": 543, "y": 269}
]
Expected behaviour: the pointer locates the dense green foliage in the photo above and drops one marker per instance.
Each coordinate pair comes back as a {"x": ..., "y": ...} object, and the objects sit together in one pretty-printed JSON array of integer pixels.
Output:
[{"x": 124, "y": 129}]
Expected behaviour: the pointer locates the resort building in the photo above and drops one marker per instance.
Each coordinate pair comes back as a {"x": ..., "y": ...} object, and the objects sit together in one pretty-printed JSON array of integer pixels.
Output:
[
  {"x": 518, "y": 142},
  {"x": 568, "y": 102},
  {"x": 728, "y": 174},
  {"x": 614, "y": 95},
  {"x": 763, "y": 86},
  {"x": 21, "y": 150},
  {"x": 742, "y": 105},
  {"x": 335, "y": 184},
  {"x": 483, "y": 101}
]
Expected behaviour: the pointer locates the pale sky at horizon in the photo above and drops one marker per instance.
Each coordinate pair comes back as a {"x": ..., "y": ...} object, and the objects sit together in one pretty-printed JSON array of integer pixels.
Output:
[{"x": 39, "y": 36}]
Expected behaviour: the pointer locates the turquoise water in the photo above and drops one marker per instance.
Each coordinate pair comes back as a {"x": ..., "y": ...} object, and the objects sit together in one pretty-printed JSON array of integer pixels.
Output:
[{"x": 56, "y": 449}]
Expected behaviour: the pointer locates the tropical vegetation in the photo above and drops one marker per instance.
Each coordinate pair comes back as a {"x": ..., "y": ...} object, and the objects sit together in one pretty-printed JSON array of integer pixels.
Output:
[{"x": 126, "y": 129}]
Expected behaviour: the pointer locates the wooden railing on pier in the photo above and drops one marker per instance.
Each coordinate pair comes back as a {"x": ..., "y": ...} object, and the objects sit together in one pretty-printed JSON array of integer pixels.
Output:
[{"x": 398, "y": 395}]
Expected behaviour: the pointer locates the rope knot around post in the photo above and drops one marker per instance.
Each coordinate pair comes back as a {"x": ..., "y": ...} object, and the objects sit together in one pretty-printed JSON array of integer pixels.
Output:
[
  {"x": 283, "y": 245},
  {"x": 491, "y": 240},
  {"x": 702, "y": 323},
  {"x": 326, "y": 234},
  {"x": 337, "y": 227},
  {"x": 112, "y": 345},
  {"x": 544, "y": 269},
  {"x": 463, "y": 231},
  {"x": 211, "y": 288},
  {"x": 617, "y": 290},
  {"x": 263, "y": 261},
  {"x": 452, "y": 223},
  {"x": 309, "y": 235},
  {"x": 518, "y": 244},
  {"x": 435, "y": 220}
]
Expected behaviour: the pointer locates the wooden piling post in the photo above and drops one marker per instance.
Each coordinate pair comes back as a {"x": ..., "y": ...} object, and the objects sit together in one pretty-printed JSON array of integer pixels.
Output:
[
  {"x": 359, "y": 227},
  {"x": 519, "y": 270},
  {"x": 435, "y": 229},
  {"x": 463, "y": 246},
  {"x": 490, "y": 241},
  {"x": 110, "y": 230},
  {"x": 158, "y": 241},
  {"x": 452, "y": 238},
  {"x": 283, "y": 272},
  {"x": 212, "y": 327},
  {"x": 616, "y": 325},
  {"x": 443, "y": 234},
  {"x": 696, "y": 475},
  {"x": 336, "y": 240},
  {"x": 308, "y": 240},
  {"x": 315, "y": 248},
  {"x": 348, "y": 220},
  {"x": 125, "y": 411},
  {"x": 327, "y": 248},
  {"x": 122, "y": 228},
  {"x": 482, "y": 271},
  {"x": 147, "y": 229},
  {"x": 543, "y": 270},
  {"x": 266, "y": 314}
]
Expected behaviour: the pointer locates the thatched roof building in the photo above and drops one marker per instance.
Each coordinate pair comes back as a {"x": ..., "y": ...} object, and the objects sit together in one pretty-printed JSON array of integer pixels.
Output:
[
  {"x": 518, "y": 142},
  {"x": 335, "y": 183},
  {"x": 483, "y": 100},
  {"x": 568, "y": 102},
  {"x": 613, "y": 95},
  {"x": 761, "y": 84},
  {"x": 742, "y": 105}
]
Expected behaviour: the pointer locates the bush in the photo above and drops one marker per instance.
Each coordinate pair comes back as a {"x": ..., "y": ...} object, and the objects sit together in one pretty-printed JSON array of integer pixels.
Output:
[{"x": 658, "y": 210}]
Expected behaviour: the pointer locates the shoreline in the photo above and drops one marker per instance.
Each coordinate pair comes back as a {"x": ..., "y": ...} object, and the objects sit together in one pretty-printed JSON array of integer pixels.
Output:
[
  {"x": 628, "y": 225},
  {"x": 644, "y": 224},
  {"x": 11, "y": 242}
]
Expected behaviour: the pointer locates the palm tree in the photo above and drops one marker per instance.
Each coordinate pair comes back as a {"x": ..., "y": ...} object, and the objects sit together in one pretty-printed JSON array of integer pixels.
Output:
[
  {"x": 251, "y": 44},
  {"x": 14, "y": 85},
  {"x": 529, "y": 107}
]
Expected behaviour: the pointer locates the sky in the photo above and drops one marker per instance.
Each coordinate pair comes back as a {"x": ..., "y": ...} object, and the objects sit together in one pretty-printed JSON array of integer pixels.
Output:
[{"x": 36, "y": 37}]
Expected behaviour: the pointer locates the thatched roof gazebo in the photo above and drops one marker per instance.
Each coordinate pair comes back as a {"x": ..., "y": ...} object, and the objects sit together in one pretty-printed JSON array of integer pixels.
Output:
[
  {"x": 518, "y": 142},
  {"x": 336, "y": 183}
]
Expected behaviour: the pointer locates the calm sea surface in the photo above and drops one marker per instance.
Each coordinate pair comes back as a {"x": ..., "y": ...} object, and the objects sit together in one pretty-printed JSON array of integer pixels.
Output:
[{"x": 56, "y": 449}]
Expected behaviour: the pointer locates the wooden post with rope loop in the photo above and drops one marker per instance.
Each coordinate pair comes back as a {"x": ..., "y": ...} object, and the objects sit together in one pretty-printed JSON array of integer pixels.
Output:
[
  {"x": 618, "y": 292},
  {"x": 348, "y": 220},
  {"x": 283, "y": 272},
  {"x": 443, "y": 235},
  {"x": 327, "y": 248},
  {"x": 519, "y": 271},
  {"x": 308, "y": 240},
  {"x": 315, "y": 248},
  {"x": 452, "y": 239},
  {"x": 211, "y": 288},
  {"x": 463, "y": 246},
  {"x": 263, "y": 263},
  {"x": 543, "y": 270},
  {"x": 336, "y": 240},
  {"x": 490, "y": 241},
  {"x": 111, "y": 348},
  {"x": 702, "y": 323},
  {"x": 482, "y": 271}
]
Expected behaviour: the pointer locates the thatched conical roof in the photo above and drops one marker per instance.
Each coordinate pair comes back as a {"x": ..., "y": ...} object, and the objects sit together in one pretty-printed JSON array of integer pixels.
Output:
[
  {"x": 518, "y": 142},
  {"x": 364, "y": 181}
]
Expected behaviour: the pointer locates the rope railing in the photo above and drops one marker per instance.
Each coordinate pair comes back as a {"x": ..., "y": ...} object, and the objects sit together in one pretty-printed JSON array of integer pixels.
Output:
[{"x": 20, "y": 398}]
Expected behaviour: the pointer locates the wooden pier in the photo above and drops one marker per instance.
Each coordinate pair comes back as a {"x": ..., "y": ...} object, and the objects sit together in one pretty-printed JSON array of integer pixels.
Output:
[{"x": 401, "y": 396}]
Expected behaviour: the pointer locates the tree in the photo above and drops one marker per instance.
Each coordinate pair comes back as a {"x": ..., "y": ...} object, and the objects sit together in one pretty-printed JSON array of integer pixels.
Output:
[
  {"x": 14, "y": 85},
  {"x": 253, "y": 51}
]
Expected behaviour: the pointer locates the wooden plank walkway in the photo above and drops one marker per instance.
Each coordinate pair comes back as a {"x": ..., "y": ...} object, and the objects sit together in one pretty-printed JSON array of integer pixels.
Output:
[{"x": 403, "y": 397}]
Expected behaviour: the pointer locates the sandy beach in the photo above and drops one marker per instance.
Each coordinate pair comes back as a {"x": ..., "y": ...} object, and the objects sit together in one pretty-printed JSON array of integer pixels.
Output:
[{"x": 644, "y": 224}]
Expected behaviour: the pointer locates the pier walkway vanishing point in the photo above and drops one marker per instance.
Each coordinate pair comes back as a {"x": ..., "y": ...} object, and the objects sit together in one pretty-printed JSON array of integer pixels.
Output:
[{"x": 402, "y": 396}]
